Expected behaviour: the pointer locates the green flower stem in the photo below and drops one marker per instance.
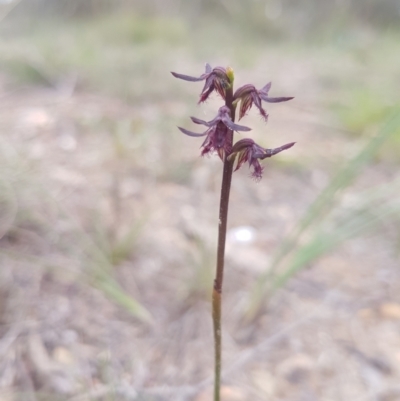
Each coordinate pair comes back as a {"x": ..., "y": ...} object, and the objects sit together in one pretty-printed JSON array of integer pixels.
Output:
[{"x": 223, "y": 220}]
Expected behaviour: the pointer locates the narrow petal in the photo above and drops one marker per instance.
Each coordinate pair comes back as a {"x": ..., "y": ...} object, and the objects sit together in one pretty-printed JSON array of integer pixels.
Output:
[
  {"x": 266, "y": 88},
  {"x": 244, "y": 91},
  {"x": 205, "y": 143},
  {"x": 234, "y": 127},
  {"x": 190, "y": 133},
  {"x": 221, "y": 153},
  {"x": 188, "y": 78},
  {"x": 220, "y": 86},
  {"x": 245, "y": 106},
  {"x": 257, "y": 102},
  {"x": 207, "y": 147},
  {"x": 202, "y": 122},
  {"x": 257, "y": 170},
  {"x": 275, "y": 99},
  {"x": 216, "y": 79},
  {"x": 242, "y": 145},
  {"x": 215, "y": 120},
  {"x": 204, "y": 96},
  {"x": 259, "y": 152},
  {"x": 208, "y": 84},
  {"x": 220, "y": 71},
  {"x": 272, "y": 152},
  {"x": 243, "y": 157},
  {"x": 283, "y": 147},
  {"x": 224, "y": 115},
  {"x": 207, "y": 89}
]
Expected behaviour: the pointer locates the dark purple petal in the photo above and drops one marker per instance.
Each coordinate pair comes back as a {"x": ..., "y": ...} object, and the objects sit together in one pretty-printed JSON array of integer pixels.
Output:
[
  {"x": 242, "y": 144},
  {"x": 272, "y": 152},
  {"x": 221, "y": 153},
  {"x": 257, "y": 170},
  {"x": 243, "y": 157},
  {"x": 245, "y": 105},
  {"x": 207, "y": 89},
  {"x": 224, "y": 115},
  {"x": 275, "y": 99},
  {"x": 216, "y": 80},
  {"x": 259, "y": 152},
  {"x": 220, "y": 85},
  {"x": 221, "y": 113},
  {"x": 243, "y": 91},
  {"x": 221, "y": 73},
  {"x": 224, "y": 111},
  {"x": 190, "y": 133},
  {"x": 234, "y": 127},
  {"x": 215, "y": 120},
  {"x": 257, "y": 102},
  {"x": 266, "y": 88},
  {"x": 202, "y": 122},
  {"x": 187, "y": 77},
  {"x": 208, "y": 84}
]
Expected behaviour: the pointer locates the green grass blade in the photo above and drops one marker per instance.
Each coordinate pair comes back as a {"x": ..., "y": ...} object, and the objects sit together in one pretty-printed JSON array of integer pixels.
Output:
[
  {"x": 113, "y": 290},
  {"x": 322, "y": 204},
  {"x": 323, "y": 243}
]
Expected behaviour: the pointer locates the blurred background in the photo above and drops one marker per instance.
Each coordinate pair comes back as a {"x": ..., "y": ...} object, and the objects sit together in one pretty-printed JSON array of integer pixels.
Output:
[{"x": 108, "y": 216}]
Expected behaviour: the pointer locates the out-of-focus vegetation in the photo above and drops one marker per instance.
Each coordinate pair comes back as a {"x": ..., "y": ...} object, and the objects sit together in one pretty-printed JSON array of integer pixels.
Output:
[
  {"x": 331, "y": 224},
  {"x": 125, "y": 48},
  {"x": 308, "y": 15}
]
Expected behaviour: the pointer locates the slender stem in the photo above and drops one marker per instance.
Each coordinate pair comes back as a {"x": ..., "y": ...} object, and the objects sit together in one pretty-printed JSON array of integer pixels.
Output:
[
  {"x": 216, "y": 299},
  {"x": 223, "y": 220},
  {"x": 217, "y": 291}
]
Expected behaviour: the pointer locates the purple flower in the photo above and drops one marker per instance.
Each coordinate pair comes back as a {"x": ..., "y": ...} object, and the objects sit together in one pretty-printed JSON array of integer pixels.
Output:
[
  {"x": 248, "y": 95},
  {"x": 248, "y": 151},
  {"x": 218, "y": 132},
  {"x": 216, "y": 79}
]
